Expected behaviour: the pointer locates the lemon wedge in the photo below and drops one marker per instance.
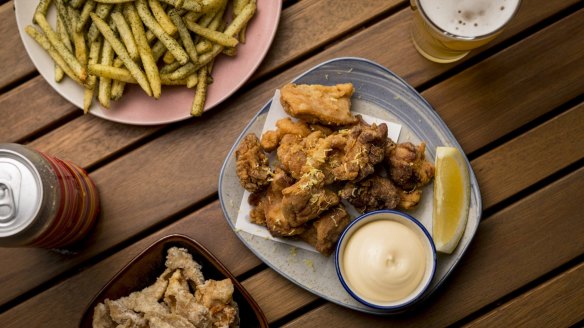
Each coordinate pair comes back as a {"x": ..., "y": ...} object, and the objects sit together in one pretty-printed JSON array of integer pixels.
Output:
[{"x": 451, "y": 199}]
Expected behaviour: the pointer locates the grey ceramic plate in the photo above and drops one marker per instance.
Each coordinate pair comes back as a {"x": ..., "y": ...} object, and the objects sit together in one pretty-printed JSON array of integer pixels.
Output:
[{"x": 379, "y": 93}]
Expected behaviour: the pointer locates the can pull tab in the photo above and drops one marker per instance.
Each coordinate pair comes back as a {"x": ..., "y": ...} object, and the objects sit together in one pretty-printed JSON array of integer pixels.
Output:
[{"x": 7, "y": 203}]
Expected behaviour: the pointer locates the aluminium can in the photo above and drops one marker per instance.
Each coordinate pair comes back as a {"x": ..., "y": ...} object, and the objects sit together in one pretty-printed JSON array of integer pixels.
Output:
[{"x": 44, "y": 201}]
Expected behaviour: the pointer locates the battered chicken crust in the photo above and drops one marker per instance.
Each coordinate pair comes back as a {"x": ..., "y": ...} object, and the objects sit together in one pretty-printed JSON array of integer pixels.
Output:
[
  {"x": 328, "y": 105},
  {"x": 307, "y": 199},
  {"x": 325, "y": 156},
  {"x": 365, "y": 147},
  {"x": 252, "y": 165},
  {"x": 268, "y": 207},
  {"x": 271, "y": 139},
  {"x": 407, "y": 165},
  {"x": 325, "y": 231},
  {"x": 371, "y": 194}
]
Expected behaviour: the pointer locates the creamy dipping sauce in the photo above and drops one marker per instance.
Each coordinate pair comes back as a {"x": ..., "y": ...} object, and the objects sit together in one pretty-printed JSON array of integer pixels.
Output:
[{"x": 384, "y": 261}]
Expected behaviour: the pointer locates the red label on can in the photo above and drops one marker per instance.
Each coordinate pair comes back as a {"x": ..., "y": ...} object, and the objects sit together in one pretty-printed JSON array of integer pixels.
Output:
[{"x": 78, "y": 209}]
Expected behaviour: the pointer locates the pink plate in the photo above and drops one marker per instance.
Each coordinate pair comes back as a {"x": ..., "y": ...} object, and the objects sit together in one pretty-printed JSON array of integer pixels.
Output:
[{"x": 135, "y": 107}]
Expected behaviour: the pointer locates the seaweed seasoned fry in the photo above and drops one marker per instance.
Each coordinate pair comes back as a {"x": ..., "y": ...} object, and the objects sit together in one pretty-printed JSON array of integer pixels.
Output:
[
  {"x": 162, "y": 17},
  {"x": 45, "y": 43},
  {"x": 94, "y": 50},
  {"x": 88, "y": 8},
  {"x": 186, "y": 35},
  {"x": 121, "y": 51},
  {"x": 126, "y": 35},
  {"x": 201, "y": 93},
  {"x": 170, "y": 43},
  {"x": 65, "y": 53}
]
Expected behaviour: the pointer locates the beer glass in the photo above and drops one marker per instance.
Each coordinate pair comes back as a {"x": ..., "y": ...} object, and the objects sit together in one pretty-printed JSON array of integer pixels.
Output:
[{"x": 446, "y": 31}]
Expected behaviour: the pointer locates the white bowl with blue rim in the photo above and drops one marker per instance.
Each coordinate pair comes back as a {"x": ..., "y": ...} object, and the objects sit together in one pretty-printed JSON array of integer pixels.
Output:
[{"x": 375, "y": 267}]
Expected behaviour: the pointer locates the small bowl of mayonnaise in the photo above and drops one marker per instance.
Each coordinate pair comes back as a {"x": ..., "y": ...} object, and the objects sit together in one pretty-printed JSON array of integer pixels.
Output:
[{"x": 386, "y": 260}]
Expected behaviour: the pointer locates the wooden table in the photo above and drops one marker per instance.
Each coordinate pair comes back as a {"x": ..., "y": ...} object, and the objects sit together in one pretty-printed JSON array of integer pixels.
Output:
[{"x": 516, "y": 106}]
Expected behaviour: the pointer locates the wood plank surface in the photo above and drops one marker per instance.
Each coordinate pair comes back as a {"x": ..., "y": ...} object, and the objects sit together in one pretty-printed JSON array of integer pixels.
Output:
[
  {"x": 520, "y": 163},
  {"x": 512, "y": 248},
  {"x": 207, "y": 226},
  {"x": 555, "y": 303},
  {"x": 488, "y": 259},
  {"x": 164, "y": 177},
  {"x": 94, "y": 139},
  {"x": 309, "y": 25},
  {"x": 403, "y": 60},
  {"x": 14, "y": 64},
  {"x": 267, "y": 285},
  {"x": 515, "y": 86},
  {"x": 31, "y": 107}
]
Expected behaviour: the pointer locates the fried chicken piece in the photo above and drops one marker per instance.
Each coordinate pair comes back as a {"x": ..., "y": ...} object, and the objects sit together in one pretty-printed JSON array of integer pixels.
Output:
[
  {"x": 102, "y": 318},
  {"x": 268, "y": 206},
  {"x": 259, "y": 202},
  {"x": 325, "y": 231},
  {"x": 323, "y": 129},
  {"x": 182, "y": 302},
  {"x": 124, "y": 316},
  {"x": 373, "y": 193},
  {"x": 409, "y": 199},
  {"x": 293, "y": 152},
  {"x": 252, "y": 165},
  {"x": 271, "y": 139},
  {"x": 328, "y": 105},
  {"x": 167, "y": 320},
  {"x": 306, "y": 199},
  {"x": 408, "y": 168},
  {"x": 364, "y": 148},
  {"x": 180, "y": 258},
  {"x": 217, "y": 296}
]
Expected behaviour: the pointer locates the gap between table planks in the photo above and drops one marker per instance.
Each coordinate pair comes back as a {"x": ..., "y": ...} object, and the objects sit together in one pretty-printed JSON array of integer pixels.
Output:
[
  {"x": 555, "y": 303},
  {"x": 488, "y": 259},
  {"x": 122, "y": 215}
]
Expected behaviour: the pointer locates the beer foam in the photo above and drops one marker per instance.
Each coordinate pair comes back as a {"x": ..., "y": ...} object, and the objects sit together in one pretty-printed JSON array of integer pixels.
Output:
[{"x": 469, "y": 18}]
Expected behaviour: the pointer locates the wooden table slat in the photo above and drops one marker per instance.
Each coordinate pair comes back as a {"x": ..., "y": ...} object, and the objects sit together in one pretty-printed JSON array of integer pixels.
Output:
[
  {"x": 522, "y": 156},
  {"x": 42, "y": 108},
  {"x": 14, "y": 64},
  {"x": 265, "y": 285},
  {"x": 520, "y": 224},
  {"x": 481, "y": 103},
  {"x": 555, "y": 303},
  {"x": 164, "y": 176}
]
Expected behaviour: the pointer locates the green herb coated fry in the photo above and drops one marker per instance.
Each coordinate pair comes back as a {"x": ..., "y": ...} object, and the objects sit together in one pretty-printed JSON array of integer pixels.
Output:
[{"x": 121, "y": 51}]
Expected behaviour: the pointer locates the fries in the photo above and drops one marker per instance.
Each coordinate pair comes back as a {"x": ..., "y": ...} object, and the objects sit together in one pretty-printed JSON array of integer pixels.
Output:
[
  {"x": 200, "y": 94},
  {"x": 162, "y": 18},
  {"x": 105, "y": 84},
  {"x": 171, "y": 44},
  {"x": 126, "y": 35},
  {"x": 60, "y": 47},
  {"x": 146, "y": 54},
  {"x": 94, "y": 50},
  {"x": 127, "y": 41}
]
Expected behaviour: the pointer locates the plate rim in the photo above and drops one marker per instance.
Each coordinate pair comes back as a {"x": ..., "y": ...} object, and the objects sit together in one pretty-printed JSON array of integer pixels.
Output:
[
  {"x": 101, "y": 115},
  {"x": 434, "y": 115}
]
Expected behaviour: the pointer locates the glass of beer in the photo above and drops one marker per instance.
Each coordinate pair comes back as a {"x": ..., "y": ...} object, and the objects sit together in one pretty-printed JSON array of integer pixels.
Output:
[{"x": 447, "y": 30}]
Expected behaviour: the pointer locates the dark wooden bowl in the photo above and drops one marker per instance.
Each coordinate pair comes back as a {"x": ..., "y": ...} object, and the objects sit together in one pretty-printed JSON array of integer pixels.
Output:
[{"x": 143, "y": 270}]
